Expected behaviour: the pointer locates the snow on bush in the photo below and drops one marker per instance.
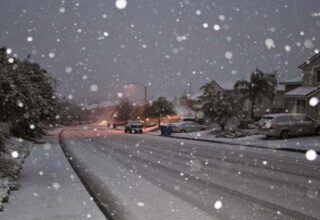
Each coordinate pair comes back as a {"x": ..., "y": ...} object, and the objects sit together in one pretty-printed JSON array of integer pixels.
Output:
[{"x": 12, "y": 155}]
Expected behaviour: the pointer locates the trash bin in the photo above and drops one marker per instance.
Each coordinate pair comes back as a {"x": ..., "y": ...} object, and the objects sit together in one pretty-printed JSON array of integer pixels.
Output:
[
  {"x": 169, "y": 130},
  {"x": 165, "y": 130},
  {"x": 162, "y": 130}
]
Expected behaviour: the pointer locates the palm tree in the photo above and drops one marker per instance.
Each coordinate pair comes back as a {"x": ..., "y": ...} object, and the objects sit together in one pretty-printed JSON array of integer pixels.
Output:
[{"x": 260, "y": 85}]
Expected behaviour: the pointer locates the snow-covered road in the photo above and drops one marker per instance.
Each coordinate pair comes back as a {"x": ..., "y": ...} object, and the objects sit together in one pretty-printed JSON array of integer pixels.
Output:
[{"x": 150, "y": 177}]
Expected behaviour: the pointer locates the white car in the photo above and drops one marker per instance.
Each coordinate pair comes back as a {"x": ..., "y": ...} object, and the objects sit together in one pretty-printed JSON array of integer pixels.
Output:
[{"x": 186, "y": 126}]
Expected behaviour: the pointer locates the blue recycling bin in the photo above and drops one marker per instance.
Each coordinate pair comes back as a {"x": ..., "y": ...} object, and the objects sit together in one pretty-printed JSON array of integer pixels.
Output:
[{"x": 165, "y": 130}]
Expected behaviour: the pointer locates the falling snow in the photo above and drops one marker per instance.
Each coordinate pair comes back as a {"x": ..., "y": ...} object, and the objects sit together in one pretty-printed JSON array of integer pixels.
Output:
[
  {"x": 94, "y": 88},
  {"x": 218, "y": 205},
  {"x": 121, "y": 4},
  {"x": 190, "y": 53},
  {"x": 205, "y": 25},
  {"x": 311, "y": 155},
  {"x": 314, "y": 101},
  {"x": 14, "y": 154},
  {"x": 29, "y": 39},
  {"x": 270, "y": 43},
  {"x": 68, "y": 69},
  {"x": 228, "y": 55}
]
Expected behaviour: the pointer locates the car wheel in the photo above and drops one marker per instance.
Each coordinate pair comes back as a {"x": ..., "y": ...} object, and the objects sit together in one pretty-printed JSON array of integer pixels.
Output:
[
  {"x": 284, "y": 134},
  {"x": 318, "y": 131},
  {"x": 183, "y": 131}
]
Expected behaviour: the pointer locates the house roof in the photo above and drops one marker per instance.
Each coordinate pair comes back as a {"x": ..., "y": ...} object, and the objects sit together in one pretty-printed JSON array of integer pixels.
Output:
[
  {"x": 184, "y": 111},
  {"x": 283, "y": 114},
  {"x": 303, "y": 91},
  {"x": 296, "y": 80},
  {"x": 102, "y": 104},
  {"x": 309, "y": 60},
  {"x": 196, "y": 96},
  {"x": 225, "y": 85}
]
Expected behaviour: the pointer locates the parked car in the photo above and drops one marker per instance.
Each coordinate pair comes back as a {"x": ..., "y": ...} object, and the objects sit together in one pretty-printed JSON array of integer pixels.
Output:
[
  {"x": 150, "y": 124},
  {"x": 134, "y": 127},
  {"x": 189, "y": 119},
  {"x": 186, "y": 126},
  {"x": 288, "y": 124}
]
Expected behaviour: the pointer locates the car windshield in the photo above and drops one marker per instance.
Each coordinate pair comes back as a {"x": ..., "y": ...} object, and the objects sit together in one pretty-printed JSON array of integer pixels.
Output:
[
  {"x": 179, "y": 123},
  {"x": 159, "y": 109},
  {"x": 267, "y": 118}
]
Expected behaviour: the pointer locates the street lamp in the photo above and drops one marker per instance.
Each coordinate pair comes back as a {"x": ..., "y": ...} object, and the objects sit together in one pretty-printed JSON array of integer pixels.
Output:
[{"x": 145, "y": 98}]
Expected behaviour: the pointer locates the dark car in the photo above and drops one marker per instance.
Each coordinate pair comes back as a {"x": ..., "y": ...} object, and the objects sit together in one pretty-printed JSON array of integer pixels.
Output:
[{"x": 134, "y": 127}]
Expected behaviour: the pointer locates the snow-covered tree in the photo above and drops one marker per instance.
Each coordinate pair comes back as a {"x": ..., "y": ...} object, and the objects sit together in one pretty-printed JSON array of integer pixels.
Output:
[
  {"x": 26, "y": 94},
  {"x": 159, "y": 108},
  {"x": 219, "y": 107},
  {"x": 260, "y": 85},
  {"x": 124, "y": 109}
]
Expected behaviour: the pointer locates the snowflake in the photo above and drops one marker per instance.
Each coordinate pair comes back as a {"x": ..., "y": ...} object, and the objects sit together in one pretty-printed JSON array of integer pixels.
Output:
[{"x": 121, "y": 4}]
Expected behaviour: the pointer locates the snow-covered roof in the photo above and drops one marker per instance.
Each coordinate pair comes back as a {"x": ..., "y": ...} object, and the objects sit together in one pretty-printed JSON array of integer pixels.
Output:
[
  {"x": 309, "y": 60},
  {"x": 302, "y": 91},
  {"x": 226, "y": 85},
  {"x": 184, "y": 111},
  {"x": 196, "y": 96},
  {"x": 102, "y": 104},
  {"x": 296, "y": 80}
]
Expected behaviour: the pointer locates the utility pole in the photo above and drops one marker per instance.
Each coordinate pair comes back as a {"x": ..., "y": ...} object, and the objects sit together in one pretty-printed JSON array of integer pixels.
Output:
[{"x": 145, "y": 100}]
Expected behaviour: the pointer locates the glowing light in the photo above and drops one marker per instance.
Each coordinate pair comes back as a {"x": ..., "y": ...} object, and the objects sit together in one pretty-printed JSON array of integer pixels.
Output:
[{"x": 121, "y": 4}]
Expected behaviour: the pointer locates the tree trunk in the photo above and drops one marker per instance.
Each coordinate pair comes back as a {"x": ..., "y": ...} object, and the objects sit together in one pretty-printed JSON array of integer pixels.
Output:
[
  {"x": 253, "y": 103},
  {"x": 159, "y": 120}
]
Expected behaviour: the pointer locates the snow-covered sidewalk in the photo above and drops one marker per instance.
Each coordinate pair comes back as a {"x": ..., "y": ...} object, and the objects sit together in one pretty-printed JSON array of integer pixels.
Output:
[
  {"x": 302, "y": 144},
  {"x": 50, "y": 189}
]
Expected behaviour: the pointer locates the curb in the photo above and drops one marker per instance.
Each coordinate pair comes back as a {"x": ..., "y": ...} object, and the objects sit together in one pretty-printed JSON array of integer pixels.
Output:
[
  {"x": 76, "y": 170},
  {"x": 241, "y": 144}
]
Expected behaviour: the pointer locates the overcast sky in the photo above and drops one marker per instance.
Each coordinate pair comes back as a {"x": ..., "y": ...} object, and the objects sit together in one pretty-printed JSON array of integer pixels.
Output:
[{"x": 95, "y": 48}]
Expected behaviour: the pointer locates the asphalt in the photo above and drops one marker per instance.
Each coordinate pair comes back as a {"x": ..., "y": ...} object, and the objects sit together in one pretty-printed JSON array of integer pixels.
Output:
[{"x": 152, "y": 177}]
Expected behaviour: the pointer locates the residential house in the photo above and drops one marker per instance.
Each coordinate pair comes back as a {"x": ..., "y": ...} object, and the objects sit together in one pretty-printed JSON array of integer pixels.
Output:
[
  {"x": 278, "y": 99},
  {"x": 300, "y": 91},
  {"x": 183, "y": 107},
  {"x": 218, "y": 87}
]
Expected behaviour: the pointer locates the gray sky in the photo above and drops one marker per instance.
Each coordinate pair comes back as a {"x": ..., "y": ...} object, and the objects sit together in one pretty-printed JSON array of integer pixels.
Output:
[{"x": 163, "y": 44}]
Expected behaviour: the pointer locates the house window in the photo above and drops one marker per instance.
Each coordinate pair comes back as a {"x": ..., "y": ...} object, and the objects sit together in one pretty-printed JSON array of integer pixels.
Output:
[{"x": 303, "y": 106}]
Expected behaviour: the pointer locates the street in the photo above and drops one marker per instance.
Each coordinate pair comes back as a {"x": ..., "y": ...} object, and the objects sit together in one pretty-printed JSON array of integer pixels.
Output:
[
  {"x": 152, "y": 177},
  {"x": 160, "y": 110}
]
